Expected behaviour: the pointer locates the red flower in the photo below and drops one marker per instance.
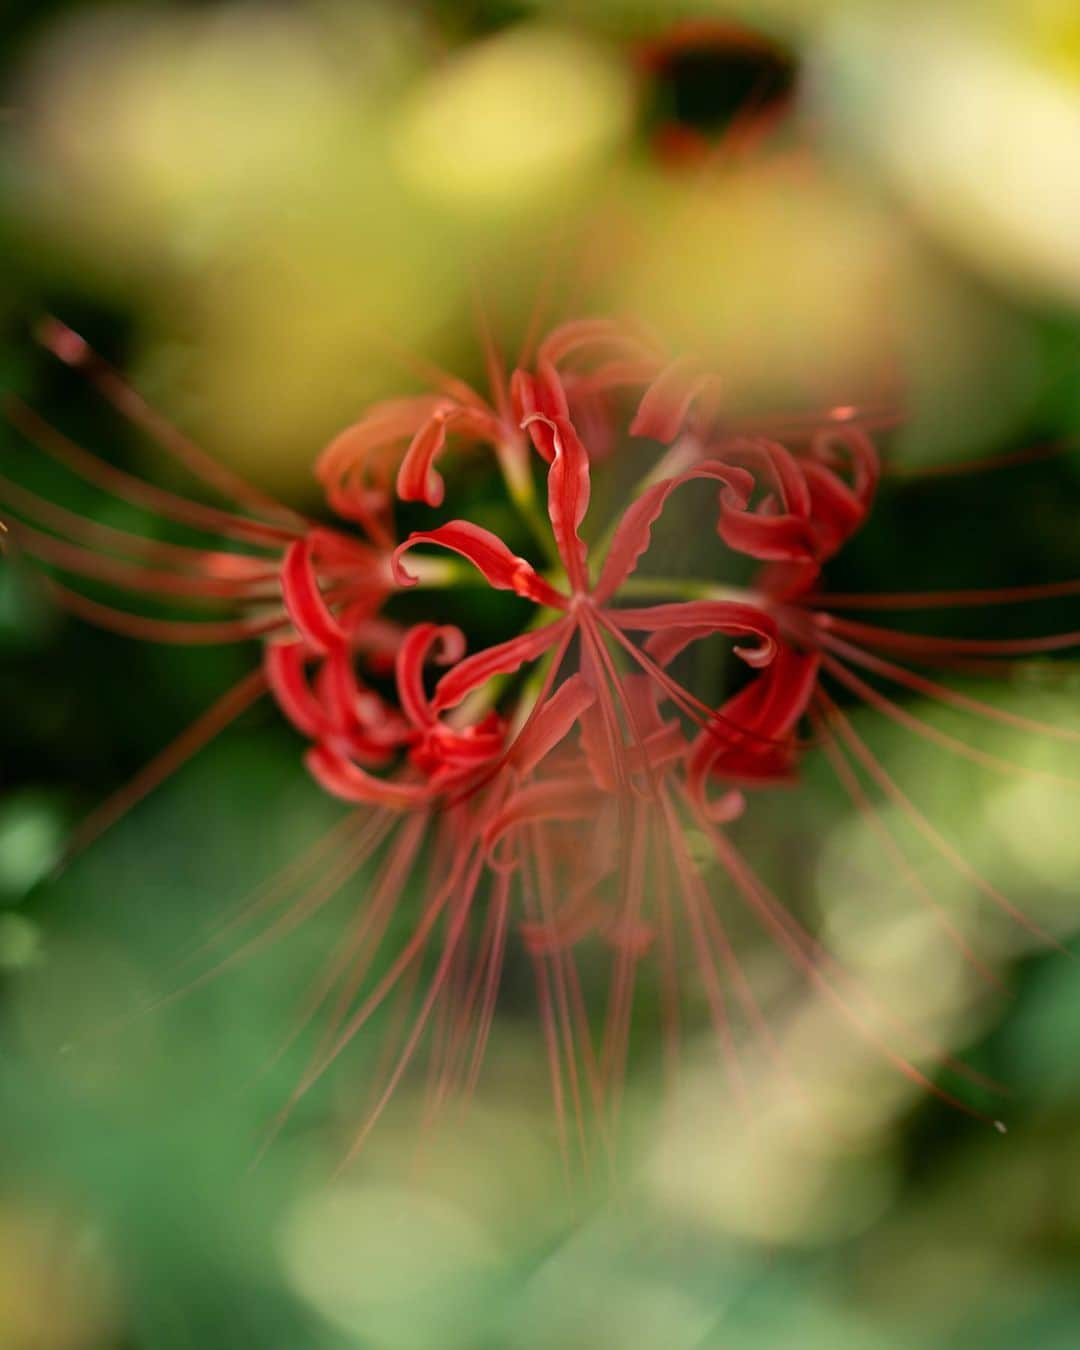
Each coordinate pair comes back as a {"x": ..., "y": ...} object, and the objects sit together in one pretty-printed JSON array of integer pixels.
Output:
[{"x": 552, "y": 779}]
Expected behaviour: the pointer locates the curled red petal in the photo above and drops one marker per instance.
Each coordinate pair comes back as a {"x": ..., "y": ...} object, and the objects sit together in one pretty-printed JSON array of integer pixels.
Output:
[
  {"x": 768, "y": 533},
  {"x": 787, "y": 580},
  {"x": 634, "y": 533},
  {"x": 862, "y": 455},
  {"x": 503, "y": 570},
  {"x": 682, "y": 622},
  {"x": 417, "y": 478},
  {"x": 412, "y": 654},
  {"x": 392, "y": 421},
  {"x": 836, "y": 512},
  {"x": 359, "y": 722},
  {"x": 838, "y": 508},
  {"x": 366, "y": 451},
  {"x": 341, "y": 778},
  {"x": 577, "y": 334},
  {"x": 612, "y": 375},
  {"x": 552, "y": 723},
  {"x": 285, "y": 666},
  {"x": 773, "y": 460},
  {"x": 782, "y": 693},
  {"x": 782, "y": 538},
  {"x": 568, "y": 495},
  {"x": 304, "y": 602},
  {"x": 335, "y": 708},
  {"x": 502, "y": 659},
  {"x": 752, "y": 740},
  {"x": 538, "y": 396},
  {"x": 666, "y": 404},
  {"x": 664, "y": 647}
]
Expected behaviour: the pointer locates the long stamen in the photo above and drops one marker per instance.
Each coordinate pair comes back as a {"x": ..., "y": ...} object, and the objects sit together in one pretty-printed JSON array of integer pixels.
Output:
[
  {"x": 869, "y": 812},
  {"x": 919, "y": 684},
  {"x": 836, "y": 719},
  {"x": 209, "y": 633},
  {"x": 74, "y": 351},
  {"x": 125, "y": 486},
  {"x": 96, "y": 534},
  {"x": 934, "y": 734},
  {"x": 921, "y": 647},
  {"x": 770, "y": 914},
  {"x": 957, "y": 599}
]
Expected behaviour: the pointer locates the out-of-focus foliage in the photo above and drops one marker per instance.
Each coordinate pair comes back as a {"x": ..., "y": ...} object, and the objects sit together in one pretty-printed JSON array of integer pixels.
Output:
[
  {"x": 268, "y": 212},
  {"x": 973, "y": 113},
  {"x": 282, "y": 191}
]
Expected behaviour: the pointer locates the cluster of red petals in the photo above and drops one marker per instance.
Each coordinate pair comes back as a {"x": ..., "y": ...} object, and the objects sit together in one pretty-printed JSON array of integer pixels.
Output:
[
  {"x": 579, "y": 713},
  {"x": 563, "y": 770},
  {"x": 558, "y": 771},
  {"x": 607, "y": 716}
]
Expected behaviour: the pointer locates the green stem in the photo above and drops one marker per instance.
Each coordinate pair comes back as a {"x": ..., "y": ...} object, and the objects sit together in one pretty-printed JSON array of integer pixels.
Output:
[{"x": 442, "y": 573}]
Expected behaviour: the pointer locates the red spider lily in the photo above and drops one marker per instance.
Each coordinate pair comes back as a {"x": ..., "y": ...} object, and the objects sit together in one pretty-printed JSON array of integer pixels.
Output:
[
  {"x": 554, "y": 779},
  {"x": 629, "y": 767}
]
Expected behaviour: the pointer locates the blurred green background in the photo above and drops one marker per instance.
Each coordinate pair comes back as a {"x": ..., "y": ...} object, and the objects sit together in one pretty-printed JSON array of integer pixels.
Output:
[{"x": 236, "y": 203}]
